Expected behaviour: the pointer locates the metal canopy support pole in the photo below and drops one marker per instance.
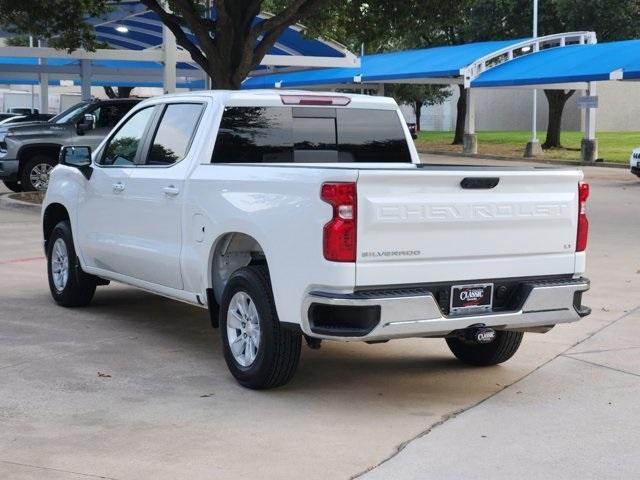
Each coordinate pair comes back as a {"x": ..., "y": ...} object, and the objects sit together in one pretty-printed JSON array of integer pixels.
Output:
[
  {"x": 589, "y": 144},
  {"x": 44, "y": 86},
  {"x": 470, "y": 140},
  {"x": 44, "y": 92},
  {"x": 169, "y": 50},
  {"x": 533, "y": 148},
  {"x": 380, "y": 90},
  {"x": 85, "y": 80}
]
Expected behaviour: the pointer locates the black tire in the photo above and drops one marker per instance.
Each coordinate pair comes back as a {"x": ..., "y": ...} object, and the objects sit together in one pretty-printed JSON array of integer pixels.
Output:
[
  {"x": 503, "y": 347},
  {"x": 13, "y": 186},
  {"x": 278, "y": 351},
  {"x": 79, "y": 288},
  {"x": 29, "y": 165}
]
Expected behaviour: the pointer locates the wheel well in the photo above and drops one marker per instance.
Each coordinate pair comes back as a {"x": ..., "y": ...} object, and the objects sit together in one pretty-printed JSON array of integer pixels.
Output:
[
  {"x": 54, "y": 214},
  {"x": 52, "y": 151},
  {"x": 232, "y": 251}
]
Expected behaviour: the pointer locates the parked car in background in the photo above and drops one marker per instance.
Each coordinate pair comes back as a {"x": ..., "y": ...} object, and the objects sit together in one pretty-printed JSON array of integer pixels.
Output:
[
  {"x": 31, "y": 117},
  {"x": 29, "y": 150},
  {"x": 308, "y": 215},
  {"x": 23, "y": 110},
  {"x": 634, "y": 161},
  {"x": 7, "y": 116}
]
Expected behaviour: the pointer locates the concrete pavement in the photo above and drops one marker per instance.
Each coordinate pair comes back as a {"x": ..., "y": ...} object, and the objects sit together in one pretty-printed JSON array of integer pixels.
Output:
[
  {"x": 134, "y": 386},
  {"x": 577, "y": 416}
]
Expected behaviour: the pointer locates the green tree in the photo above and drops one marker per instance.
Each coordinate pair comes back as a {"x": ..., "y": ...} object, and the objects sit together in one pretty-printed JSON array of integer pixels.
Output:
[
  {"x": 418, "y": 96},
  {"x": 17, "y": 41},
  {"x": 228, "y": 47}
]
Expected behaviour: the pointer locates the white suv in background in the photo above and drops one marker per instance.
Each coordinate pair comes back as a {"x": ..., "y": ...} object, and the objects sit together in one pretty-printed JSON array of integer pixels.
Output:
[{"x": 634, "y": 161}]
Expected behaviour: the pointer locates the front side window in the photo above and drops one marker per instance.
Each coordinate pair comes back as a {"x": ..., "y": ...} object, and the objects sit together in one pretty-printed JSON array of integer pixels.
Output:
[
  {"x": 310, "y": 134},
  {"x": 173, "y": 136},
  {"x": 123, "y": 146}
]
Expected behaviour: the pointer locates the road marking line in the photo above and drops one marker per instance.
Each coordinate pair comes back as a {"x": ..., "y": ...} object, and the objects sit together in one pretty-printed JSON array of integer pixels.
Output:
[{"x": 20, "y": 260}]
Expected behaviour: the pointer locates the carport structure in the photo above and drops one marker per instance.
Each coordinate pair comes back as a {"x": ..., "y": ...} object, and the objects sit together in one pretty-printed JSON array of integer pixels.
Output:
[
  {"x": 576, "y": 67},
  {"x": 142, "y": 52},
  {"x": 563, "y": 61}
]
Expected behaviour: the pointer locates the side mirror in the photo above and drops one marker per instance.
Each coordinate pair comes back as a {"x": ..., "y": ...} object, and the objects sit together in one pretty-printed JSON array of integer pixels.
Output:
[
  {"x": 87, "y": 123},
  {"x": 77, "y": 157}
]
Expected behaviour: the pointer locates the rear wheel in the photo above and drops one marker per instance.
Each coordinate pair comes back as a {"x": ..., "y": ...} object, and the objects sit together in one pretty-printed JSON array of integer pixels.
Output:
[
  {"x": 259, "y": 352},
  {"x": 69, "y": 285},
  {"x": 13, "y": 186},
  {"x": 501, "y": 349},
  {"x": 35, "y": 173}
]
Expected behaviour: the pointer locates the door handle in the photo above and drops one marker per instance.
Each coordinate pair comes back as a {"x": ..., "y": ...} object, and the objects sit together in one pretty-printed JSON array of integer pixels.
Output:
[
  {"x": 171, "y": 191},
  {"x": 476, "y": 183},
  {"x": 118, "y": 187}
]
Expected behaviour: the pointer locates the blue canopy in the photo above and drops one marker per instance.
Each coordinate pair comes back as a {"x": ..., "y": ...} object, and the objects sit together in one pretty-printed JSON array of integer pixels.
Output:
[
  {"x": 437, "y": 62},
  {"x": 557, "y": 65},
  {"x": 573, "y": 63}
]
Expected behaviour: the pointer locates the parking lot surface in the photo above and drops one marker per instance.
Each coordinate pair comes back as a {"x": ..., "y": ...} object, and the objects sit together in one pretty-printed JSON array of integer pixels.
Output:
[{"x": 135, "y": 386}]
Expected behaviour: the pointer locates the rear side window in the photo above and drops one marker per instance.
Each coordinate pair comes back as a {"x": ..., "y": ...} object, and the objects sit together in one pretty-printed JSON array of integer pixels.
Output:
[
  {"x": 173, "y": 136},
  {"x": 309, "y": 135}
]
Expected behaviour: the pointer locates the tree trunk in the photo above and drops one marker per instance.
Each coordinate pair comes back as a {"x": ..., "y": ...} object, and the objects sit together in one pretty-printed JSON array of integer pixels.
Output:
[
  {"x": 557, "y": 100},
  {"x": 461, "y": 116},
  {"x": 123, "y": 92},
  {"x": 417, "y": 110}
]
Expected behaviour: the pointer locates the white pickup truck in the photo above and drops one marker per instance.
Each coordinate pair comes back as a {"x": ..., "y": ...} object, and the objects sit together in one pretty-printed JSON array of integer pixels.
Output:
[{"x": 293, "y": 215}]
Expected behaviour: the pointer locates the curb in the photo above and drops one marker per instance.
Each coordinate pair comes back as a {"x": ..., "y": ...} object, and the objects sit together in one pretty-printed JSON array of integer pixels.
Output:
[
  {"x": 14, "y": 204},
  {"x": 548, "y": 161}
]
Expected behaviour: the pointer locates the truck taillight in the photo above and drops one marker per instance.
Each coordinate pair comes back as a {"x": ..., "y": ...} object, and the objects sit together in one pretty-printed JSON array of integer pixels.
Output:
[
  {"x": 339, "y": 235},
  {"x": 583, "y": 223}
]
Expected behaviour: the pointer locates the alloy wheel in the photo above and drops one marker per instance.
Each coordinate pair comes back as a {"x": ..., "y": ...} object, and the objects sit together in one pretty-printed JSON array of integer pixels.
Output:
[
  {"x": 243, "y": 329},
  {"x": 60, "y": 264},
  {"x": 39, "y": 176}
]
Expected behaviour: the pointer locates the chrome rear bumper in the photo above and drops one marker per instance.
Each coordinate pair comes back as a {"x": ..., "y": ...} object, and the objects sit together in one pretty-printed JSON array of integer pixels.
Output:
[{"x": 416, "y": 313}]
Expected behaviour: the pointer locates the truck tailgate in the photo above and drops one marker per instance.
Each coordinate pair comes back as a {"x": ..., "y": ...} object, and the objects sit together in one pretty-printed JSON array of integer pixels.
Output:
[{"x": 422, "y": 226}]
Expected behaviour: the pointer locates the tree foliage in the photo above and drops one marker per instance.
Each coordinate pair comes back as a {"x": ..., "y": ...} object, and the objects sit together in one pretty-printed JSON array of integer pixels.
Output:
[
  {"x": 61, "y": 22},
  {"x": 228, "y": 46}
]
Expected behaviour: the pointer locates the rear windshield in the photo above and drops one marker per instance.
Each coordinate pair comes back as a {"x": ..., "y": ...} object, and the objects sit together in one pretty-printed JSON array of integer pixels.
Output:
[{"x": 309, "y": 135}]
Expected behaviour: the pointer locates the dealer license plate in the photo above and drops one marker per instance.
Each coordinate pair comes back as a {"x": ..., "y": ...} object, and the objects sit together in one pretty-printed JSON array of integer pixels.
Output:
[{"x": 471, "y": 298}]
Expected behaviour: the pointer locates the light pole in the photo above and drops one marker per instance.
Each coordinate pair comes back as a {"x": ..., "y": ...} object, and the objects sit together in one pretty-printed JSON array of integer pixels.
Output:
[{"x": 533, "y": 147}]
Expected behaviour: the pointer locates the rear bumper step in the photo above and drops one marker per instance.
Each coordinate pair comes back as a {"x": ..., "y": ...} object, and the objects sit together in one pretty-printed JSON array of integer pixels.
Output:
[{"x": 415, "y": 312}]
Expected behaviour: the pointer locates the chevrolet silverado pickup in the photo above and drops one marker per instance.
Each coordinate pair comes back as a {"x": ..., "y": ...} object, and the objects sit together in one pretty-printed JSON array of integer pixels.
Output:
[{"x": 298, "y": 216}]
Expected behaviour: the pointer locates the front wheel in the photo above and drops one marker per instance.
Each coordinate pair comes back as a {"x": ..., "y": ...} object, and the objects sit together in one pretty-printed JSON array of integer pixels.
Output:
[
  {"x": 259, "y": 353},
  {"x": 501, "y": 349},
  {"x": 69, "y": 285},
  {"x": 35, "y": 173},
  {"x": 13, "y": 186}
]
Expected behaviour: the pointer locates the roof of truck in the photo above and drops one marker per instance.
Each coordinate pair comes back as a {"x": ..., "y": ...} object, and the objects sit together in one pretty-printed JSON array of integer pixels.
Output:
[{"x": 270, "y": 96}]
